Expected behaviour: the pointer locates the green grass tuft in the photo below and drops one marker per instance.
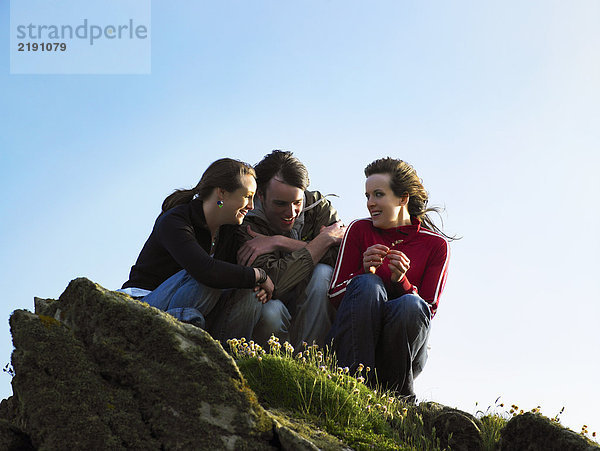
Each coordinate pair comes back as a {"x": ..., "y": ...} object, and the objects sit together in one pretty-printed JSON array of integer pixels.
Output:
[{"x": 310, "y": 386}]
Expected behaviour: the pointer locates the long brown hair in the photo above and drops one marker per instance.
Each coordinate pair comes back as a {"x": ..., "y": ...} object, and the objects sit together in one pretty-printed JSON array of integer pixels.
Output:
[
  {"x": 404, "y": 180},
  {"x": 225, "y": 173}
]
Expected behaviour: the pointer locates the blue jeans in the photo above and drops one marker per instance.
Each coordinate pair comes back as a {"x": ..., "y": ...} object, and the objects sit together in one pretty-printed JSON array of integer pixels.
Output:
[
  {"x": 305, "y": 314},
  {"x": 189, "y": 301},
  {"x": 389, "y": 336}
]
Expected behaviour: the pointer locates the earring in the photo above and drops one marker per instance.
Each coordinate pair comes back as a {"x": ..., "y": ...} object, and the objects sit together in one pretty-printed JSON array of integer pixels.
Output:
[{"x": 220, "y": 203}]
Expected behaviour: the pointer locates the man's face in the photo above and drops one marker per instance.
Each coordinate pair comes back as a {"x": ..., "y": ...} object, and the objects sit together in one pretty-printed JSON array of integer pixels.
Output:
[{"x": 282, "y": 203}]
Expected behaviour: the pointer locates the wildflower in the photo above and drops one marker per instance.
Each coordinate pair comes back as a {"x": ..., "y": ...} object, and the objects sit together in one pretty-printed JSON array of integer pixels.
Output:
[
  {"x": 360, "y": 367},
  {"x": 361, "y": 379},
  {"x": 356, "y": 391},
  {"x": 346, "y": 370}
]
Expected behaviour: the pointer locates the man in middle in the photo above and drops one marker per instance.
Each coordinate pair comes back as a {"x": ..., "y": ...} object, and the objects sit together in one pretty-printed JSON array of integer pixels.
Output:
[{"x": 294, "y": 235}]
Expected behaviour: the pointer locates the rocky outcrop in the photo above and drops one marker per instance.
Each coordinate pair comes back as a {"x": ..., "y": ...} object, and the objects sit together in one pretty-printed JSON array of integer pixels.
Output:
[
  {"x": 98, "y": 370},
  {"x": 533, "y": 432},
  {"x": 456, "y": 429}
]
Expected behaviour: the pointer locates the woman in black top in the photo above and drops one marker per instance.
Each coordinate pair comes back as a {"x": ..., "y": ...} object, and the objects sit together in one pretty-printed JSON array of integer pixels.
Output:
[{"x": 190, "y": 257}]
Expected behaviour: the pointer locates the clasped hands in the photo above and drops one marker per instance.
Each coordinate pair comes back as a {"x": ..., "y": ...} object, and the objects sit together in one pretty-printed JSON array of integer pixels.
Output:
[{"x": 398, "y": 262}]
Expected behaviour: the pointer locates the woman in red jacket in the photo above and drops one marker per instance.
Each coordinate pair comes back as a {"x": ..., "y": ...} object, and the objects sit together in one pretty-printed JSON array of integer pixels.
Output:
[{"x": 388, "y": 277}]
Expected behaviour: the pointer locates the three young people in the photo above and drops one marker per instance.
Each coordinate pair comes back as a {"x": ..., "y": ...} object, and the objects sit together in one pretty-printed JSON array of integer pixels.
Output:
[{"x": 275, "y": 273}]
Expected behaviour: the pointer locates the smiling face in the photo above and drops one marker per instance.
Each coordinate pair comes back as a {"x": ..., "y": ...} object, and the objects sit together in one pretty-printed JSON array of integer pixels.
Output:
[
  {"x": 282, "y": 203},
  {"x": 238, "y": 203},
  {"x": 384, "y": 206}
]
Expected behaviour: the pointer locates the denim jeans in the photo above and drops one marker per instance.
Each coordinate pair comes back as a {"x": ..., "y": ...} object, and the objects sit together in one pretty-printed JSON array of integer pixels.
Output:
[
  {"x": 389, "y": 336},
  {"x": 304, "y": 315},
  {"x": 314, "y": 313},
  {"x": 189, "y": 301}
]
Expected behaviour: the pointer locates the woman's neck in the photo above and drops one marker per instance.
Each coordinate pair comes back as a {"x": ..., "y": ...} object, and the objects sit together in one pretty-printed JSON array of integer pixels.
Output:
[
  {"x": 403, "y": 218},
  {"x": 211, "y": 215}
]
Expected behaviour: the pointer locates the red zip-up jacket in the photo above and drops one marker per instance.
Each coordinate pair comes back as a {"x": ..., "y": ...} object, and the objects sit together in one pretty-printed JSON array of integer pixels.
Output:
[{"x": 427, "y": 251}]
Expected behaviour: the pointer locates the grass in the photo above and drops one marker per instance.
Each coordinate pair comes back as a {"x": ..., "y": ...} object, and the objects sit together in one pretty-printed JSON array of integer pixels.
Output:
[
  {"x": 312, "y": 387},
  {"x": 495, "y": 417}
]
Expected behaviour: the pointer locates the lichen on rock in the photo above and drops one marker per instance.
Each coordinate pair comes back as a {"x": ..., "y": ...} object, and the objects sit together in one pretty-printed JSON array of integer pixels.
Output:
[{"x": 113, "y": 373}]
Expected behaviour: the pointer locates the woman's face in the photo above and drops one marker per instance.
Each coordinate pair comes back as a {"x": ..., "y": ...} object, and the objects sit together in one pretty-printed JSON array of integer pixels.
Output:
[
  {"x": 383, "y": 205},
  {"x": 238, "y": 203}
]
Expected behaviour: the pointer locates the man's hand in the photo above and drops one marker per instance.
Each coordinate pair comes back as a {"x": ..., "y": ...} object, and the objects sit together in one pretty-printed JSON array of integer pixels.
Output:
[
  {"x": 335, "y": 232},
  {"x": 258, "y": 245},
  {"x": 327, "y": 237}
]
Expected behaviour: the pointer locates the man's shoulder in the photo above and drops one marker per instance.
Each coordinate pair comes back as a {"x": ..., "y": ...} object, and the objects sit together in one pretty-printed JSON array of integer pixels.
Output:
[
  {"x": 258, "y": 225},
  {"x": 317, "y": 203},
  {"x": 315, "y": 196}
]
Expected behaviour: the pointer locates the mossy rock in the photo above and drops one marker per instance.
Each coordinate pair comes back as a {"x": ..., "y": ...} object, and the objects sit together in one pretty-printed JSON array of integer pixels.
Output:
[
  {"x": 533, "y": 432},
  {"x": 99, "y": 370}
]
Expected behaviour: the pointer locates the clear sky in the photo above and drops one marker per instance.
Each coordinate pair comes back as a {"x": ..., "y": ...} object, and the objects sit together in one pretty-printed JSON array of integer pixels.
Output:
[{"x": 496, "y": 104}]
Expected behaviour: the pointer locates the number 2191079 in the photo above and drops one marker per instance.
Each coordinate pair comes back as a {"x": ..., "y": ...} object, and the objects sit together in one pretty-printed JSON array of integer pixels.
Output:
[{"x": 42, "y": 47}]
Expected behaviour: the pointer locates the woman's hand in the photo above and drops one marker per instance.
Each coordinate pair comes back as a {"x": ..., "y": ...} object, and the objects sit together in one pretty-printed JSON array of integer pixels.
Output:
[
  {"x": 258, "y": 245},
  {"x": 398, "y": 263},
  {"x": 373, "y": 257},
  {"x": 264, "y": 291}
]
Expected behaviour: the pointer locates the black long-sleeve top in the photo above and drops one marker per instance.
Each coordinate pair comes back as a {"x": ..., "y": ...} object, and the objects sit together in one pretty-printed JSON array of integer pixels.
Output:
[{"x": 179, "y": 240}]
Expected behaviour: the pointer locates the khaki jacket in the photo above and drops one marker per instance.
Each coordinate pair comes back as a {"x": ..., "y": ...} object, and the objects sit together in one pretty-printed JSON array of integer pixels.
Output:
[{"x": 291, "y": 271}]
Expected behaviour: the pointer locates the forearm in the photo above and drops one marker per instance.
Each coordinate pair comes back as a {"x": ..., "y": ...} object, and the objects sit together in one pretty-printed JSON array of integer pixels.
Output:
[
  {"x": 288, "y": 271},
  {"x": 286, "y": 244},
  {"x": 319, "y": 246}
]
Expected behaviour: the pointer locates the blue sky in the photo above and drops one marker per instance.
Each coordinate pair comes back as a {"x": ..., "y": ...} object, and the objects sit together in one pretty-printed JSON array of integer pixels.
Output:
[{"x": 494, "y": 103}]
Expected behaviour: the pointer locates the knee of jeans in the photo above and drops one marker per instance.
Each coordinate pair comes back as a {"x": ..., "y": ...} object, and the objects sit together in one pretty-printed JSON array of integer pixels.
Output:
[
  {"x": 366, "y": 283},
  {"x": 413, "y": 308},
  {"x": 322, "y": 272},
  {"x": 320, "y": 279},
  {"x": 275, "y": 315}
]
